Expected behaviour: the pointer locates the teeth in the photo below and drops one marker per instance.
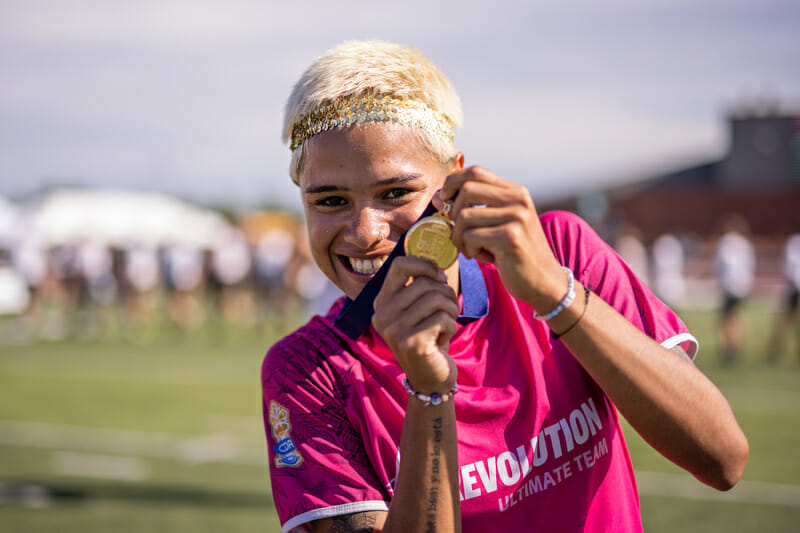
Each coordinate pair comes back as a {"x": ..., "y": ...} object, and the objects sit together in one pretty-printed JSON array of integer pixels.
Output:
[{"x": 366, "y": 266}]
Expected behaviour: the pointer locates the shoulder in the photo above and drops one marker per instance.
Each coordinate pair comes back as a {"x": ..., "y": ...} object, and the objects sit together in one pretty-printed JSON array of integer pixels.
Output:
[
  {"x": 573, "y": 241},
  {"x": 561, "y": 226},
  {"x": 304, "y": 350},
  {"x": 559, "y": 218}
]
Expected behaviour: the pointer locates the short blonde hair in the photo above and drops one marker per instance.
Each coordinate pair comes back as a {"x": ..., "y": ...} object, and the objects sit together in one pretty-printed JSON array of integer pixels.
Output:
[{"x": 356, "y": 68}]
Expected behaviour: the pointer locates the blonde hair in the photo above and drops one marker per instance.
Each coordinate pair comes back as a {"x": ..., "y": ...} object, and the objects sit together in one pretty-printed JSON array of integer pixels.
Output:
[{"x": 375, "y": 68}]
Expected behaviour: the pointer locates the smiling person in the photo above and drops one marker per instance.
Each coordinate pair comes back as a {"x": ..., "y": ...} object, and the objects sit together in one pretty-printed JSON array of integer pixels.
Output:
[{"x": 481, "y": 395}]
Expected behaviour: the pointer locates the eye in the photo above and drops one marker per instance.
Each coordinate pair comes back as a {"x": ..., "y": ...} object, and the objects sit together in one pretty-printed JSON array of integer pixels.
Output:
[
  {"x": 396, "y": 194},
  {"x": 331, "y": 202}
]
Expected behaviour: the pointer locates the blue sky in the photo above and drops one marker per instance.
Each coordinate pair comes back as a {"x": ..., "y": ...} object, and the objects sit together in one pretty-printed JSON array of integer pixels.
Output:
[{"x": 186, "y": 96}]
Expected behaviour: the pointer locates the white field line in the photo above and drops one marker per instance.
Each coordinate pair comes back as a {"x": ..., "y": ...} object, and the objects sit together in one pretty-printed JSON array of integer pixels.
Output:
[
  {"x": 686, "y": 487},
  {"x": 226, "y": 449},
  {"x": 218, "y": 447},
  {"x": 100, "y": 466}
]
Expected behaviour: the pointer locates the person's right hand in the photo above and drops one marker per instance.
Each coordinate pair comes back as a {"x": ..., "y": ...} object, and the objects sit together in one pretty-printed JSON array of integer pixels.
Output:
[{"x": 415, "y": 313}]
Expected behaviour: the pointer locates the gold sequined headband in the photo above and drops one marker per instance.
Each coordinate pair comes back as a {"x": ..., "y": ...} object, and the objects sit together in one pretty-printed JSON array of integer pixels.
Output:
[{"x": 361, "y": 109}]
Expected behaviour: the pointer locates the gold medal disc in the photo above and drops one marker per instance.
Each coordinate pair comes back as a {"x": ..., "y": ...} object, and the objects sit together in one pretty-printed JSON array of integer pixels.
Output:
[{"x": 431, "y": 238}]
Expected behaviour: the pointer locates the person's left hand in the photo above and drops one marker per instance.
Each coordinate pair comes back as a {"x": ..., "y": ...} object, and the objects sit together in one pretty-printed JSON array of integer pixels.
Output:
[{"x": 495, "y": 221}]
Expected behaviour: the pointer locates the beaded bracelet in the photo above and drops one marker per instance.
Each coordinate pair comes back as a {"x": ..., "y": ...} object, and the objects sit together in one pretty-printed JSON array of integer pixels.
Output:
[
  {"x": 565, "y": 302},
  {"x": 433, "y": 398}
]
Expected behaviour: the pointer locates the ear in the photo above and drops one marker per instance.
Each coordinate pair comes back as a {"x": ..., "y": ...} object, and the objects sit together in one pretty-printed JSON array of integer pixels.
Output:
[{"x": 457, "y": 163}]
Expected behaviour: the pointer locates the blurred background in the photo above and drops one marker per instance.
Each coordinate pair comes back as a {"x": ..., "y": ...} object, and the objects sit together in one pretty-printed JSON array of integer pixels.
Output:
[{"x": 152, "y": 244}]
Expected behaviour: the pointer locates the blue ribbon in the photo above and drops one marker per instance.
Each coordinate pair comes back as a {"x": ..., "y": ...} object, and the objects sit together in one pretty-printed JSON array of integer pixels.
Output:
[{"x": 356, "y": 315}]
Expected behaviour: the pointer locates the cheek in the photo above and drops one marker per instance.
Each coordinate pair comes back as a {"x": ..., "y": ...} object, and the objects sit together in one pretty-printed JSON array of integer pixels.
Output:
[
  {"x": 320, "y": 239},
  {"x": 407, "y": 218},
  {"x": 322, "y": 233},
  {"x": 407, "y": 215}
]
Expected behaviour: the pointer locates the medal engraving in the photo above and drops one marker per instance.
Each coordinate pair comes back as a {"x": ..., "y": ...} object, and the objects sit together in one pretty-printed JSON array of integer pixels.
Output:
[{"x": 431, "y": 238}]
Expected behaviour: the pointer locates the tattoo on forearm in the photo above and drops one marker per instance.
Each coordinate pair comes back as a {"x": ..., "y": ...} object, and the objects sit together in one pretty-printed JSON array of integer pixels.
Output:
[
  {"x": 354, "y": 523},
  {"x": 433, "y": 497}
]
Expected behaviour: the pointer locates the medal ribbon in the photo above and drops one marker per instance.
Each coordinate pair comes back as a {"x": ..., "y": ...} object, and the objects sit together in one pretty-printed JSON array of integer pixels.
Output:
[{"x": 356, "y": 315}]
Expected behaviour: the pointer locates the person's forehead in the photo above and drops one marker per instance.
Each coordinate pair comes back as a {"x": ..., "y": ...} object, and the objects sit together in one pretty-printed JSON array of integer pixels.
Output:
[{"x": 365, "y": 153}]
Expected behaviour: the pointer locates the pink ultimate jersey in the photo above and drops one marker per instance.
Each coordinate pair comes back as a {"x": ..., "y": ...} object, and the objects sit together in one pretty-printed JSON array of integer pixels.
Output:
[{"x": 540, "y": 446}]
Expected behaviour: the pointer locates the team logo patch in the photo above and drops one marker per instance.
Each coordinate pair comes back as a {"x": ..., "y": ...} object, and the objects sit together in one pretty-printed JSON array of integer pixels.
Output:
[{"x": 286, "y": 454}]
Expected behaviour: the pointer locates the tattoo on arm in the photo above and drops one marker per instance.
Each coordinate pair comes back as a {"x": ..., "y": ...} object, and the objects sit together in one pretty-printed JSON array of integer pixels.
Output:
[
  {"x": 354, "y": 523},
  {"x": 367, "y": 521},
  {"x": 433, "y": 498}
]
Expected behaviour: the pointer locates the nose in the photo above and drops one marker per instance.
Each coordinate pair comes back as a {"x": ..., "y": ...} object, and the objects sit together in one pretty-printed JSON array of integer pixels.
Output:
[{"x": 367, "y": 229}]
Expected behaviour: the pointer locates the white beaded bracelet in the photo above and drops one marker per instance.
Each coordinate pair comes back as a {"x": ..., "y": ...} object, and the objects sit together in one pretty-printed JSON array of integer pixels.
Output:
[
  {"x": 429, "y": 399},
  {"x": 565, "y": 302}
]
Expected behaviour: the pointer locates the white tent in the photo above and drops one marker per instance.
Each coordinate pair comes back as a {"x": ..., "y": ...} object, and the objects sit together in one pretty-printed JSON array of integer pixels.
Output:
[
  {"x": 121, "y": 218},
  {"x": 9, "y": 221}
]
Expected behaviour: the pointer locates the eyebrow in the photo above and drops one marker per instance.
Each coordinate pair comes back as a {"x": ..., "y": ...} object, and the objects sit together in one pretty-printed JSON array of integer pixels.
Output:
[
  {"x": 324, "y": 188},
  {"x": 403, "y": 178}
]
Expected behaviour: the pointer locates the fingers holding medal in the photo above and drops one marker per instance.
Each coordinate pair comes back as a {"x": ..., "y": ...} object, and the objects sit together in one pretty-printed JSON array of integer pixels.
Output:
[
  {"x": 432, "y": 238},
  {"x": 496, "y": 223},
  {"x": 506, "y": 233}
]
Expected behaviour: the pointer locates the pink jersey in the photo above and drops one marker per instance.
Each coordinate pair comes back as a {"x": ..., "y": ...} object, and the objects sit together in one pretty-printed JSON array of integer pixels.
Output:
[{"x": 540, "y": 446}]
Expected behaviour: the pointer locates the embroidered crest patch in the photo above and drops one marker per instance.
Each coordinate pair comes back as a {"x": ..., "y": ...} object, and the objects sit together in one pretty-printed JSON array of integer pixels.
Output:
[{"x": 286, "y": 454}]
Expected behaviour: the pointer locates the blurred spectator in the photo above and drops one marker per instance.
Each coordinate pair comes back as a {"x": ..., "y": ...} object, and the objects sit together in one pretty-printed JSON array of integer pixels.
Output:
[
  {"x": 140, "y": 279},
  {"x": 97, "y": 286},
  {"x": 230, "y": 268},
  {"x": 184, "y": 274},
  {"x": 78, "y": 253},
  {"x": 786, "y": 322},
  {"x": 273, "y": 252},
  {"x": 94, "y": 262},
  {"x": 84, "y": 263},
  {"x": 64, "y": 292},
  {"x": 272, "y": 256},
  {"x": 668, "y": 264},
  {"x": 734, "y": 266},
  {"x": 142, "y": 271},
  {"x": 318, "y": 292},
  {"x": 30, "y": 261}
]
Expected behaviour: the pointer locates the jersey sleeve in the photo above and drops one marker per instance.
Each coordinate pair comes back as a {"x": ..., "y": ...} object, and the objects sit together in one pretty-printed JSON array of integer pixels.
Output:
[
  {"x": 597, "y": 266},
  {"x": 317, "y": 462}
]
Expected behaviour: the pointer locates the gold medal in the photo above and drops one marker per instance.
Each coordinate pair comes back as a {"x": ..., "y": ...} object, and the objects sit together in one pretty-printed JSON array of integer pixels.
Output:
[{"x": 431, "y": 238}]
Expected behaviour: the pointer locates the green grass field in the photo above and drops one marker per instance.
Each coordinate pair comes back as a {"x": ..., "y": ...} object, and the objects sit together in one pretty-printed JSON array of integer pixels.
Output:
[{"x": 116, "y": 435}]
